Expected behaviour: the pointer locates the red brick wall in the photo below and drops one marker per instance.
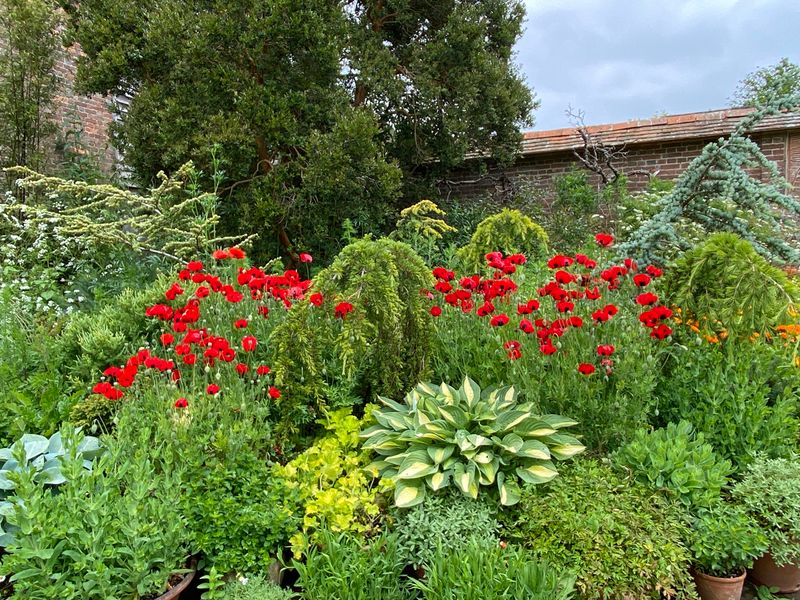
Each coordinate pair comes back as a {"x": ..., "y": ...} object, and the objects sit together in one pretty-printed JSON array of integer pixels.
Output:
[{"x": 667, "y": 160}]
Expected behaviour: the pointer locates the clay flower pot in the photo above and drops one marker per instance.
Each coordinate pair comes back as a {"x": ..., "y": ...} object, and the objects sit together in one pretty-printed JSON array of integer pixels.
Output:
[
  {"x": 719, "y": 588},
  {"x": 174, "y": 593},
  {"x": 785, "y": 578}
]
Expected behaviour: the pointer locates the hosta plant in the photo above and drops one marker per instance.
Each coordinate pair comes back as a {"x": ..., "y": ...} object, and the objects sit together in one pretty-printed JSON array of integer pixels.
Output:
[{"x": 467, "y": 437}]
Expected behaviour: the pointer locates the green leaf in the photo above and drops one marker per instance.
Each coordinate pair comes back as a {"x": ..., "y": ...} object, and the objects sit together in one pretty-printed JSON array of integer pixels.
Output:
[
  {"x": 510, "y": 419},
  {"x": 509, "y": 490},
  {"x": 558, "y": 422},
  {"x": 471, "y": 392},
  {"x": 440, "y": 453},
  {"x": 534, "y": 449},
  {"x": 415, "y": 466},
  {"x": 438, "y": 480},
  {"x": 537, "y": 473},
  {"x": 408, "y": 494}
]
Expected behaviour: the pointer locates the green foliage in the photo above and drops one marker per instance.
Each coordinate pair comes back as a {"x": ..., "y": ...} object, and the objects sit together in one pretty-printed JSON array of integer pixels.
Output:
[
  {"x": 444, "y": 521},
  {"x": 345, "y": 568},
  {"x": 173, "y": 221},
  {"x": 767, "y": 83},
  {"x": 255, "y": 588},
  {"x": 382, "y": 346},
  {"x": 770, "y": 493},
  {"x": 742, "y": 397},
  {"x": 28, "y": 83},
  {"x": 114, "y": 532},
  {"x": 725, "y": 541},
  {"x": 678, "y": 462},
  {"x": 466, "y": 437},
  {"x": 421, "y": 227},
  {"x": 235, "y": 514},
  {"x": 620, "y": 539},
  {"x": 43, "y": 457},
  {"x": 509, "y": 232},
  {"x": 725, "y": 281},
  {"x": 306, "y": 143},
  {"x": 488, "y": 572},
  {"x": 328, "y": 485},
  {"x": 718, "y": 192}
]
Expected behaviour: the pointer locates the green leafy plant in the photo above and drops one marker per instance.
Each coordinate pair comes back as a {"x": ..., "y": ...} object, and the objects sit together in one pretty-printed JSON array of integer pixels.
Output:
[
  {"x": 422, "y": 226},
  {"x": 254, "y": 588},
  {"x": 114, "y": 532},
  {"x": 725, "y": 541},
  {"x": 509, "y": 232},
  {"x": 346, "y": 568},
  {"x": 466, "y": 436},
  {"x": 770, "y": 493},
  {"x": 43, "y": 458},
  {"x": 678, "y": 462},
  {"x": 443, "y": 522},
  {"x": 488, "y": 572},
  {"x": 212, "y": 583},
  {"x": 327, "y": 485},
  {"x": 381, "y": 346},
  {"x": 725, "y": 285},
  {"x": 741, "y": 396},
  {"x": 621, "y": 539}
]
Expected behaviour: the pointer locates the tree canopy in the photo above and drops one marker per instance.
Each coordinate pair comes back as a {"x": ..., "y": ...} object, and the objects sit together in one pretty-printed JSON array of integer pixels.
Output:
[
  {"x": 346, "y": 106},
  {"x": 765, "y": 84}
]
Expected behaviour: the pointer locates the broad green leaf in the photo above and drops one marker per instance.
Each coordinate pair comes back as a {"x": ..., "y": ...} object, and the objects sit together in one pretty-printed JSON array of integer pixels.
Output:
[
  {"x": 372, "y": 431},
  {"x": 537, "y": 473},
  {"x": 558, "y": 422},
  {"x": 534, "y": 449},
  {"x": 466, "y": 480},
  {"x": 408, "y": 494},
  {"x": 438, "y": 480},
  {"x": 396, "y": 406},
  {"x": 393, "y": 420},
  {"x": 509, "y": 490},
  {"x": 426, "y": 389},
  {"x": 56, "y": 446},
  {"x": 511, "y": 442},
  {"x": 488, "y": 471},
  {"x": 450, "y": 395},
  {"x": 565, "y": 451},
  {"x": 34, "y": 445},
  {"x": 534, "y": 428},
  {"x": 471, "y": 392},
  {"x": 510, "y": 419},
  {"x": 455, "y": 415},
  {"x": 440, "y": 453},
  {"x": 417, "y": 464},
  {"x": 483, "y": 458}
]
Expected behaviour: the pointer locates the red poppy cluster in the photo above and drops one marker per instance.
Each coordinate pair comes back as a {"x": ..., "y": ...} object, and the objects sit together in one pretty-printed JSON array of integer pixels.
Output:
[
  {"x": 186, "y": 344},
  {"x": 575, "y": 283}
]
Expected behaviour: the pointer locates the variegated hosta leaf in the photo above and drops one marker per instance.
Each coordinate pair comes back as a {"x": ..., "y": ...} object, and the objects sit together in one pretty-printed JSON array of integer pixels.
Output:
[
  {"x": 509, "y": 490},
  {"x": 471, "y": 393},
  {"x": 455, "y": 415},
  {"x": 395, "y": 406},
  {"x": 511, "y": 442},
  {"x": 409, "y": 493},
  {"x": 438, "y": 480},
  {"x": 450, "y": 395},
  {"x": 534, "y": 449},
  {"x": 466, "y": 480},
  {"x": 558, "y": 422},
  {"x": 440, "y": 454},
  {"x": 534, "y": 428},
  {"x": 488, "y": 471},
  {"x": 427, "y": 389},
  {"x": 564, "y": 446},
  {"x": 510, "y": 419},
  {"x": 540, "y": 472},
  {"x": 372, "y": 431},
  {"x": 416, "y": 465},
  {"x": 393, "y": 420},
  {"x": 384, "y": 441}
]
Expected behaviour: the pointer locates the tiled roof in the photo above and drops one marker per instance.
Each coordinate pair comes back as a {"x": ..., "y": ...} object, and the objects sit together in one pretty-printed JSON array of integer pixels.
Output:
[{"x": 704, "y": 125}]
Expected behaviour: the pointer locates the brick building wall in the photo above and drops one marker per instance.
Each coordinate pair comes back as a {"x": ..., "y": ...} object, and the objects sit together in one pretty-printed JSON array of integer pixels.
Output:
[{"x": 662, "y": 147}]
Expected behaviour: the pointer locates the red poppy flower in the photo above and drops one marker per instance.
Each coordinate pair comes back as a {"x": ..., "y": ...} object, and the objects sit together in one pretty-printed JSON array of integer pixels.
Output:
[
  {"x": 590, "y": 264},
  {"x": 601, "y": 315},
  {"x": 646, "y": 299},
  {"x": 316, "y": 299},
  {"x": 611, "y": 309},
  {"x": 181, "y": 403},
  {"x": 485, "y": 309},
  {"x": 575, "y": 322},
  {"x": 195, "y": 265},
  {"x": 167, "y": 338},
  {"x": 467, "y": 306},
  {"x": 630, "y": 264},
  {"x": 220, "y": 254},
  {"x": 263, "y": 310},
  {"x": 305, "y": 257},
  {"x": 605, "y": 350},
  {"x": 212, "y": 389},
  {"x": 641, "y": 280},
  {"x": 443, "y": 274},
  {"x": 660, "y": 332},
  {"x": 513, "y": 346},
  {"x": 563, "y": 277},
  {"x": 342, "y": 309},
  {"x": 517, "y": 259},
  {"x": 499, "y": 320},
  {"x": 443, "y": 286},
  {"x": 202, "y": 292},
  {"x": 526, "y": 326},
  {"x": 263, "y": 370},
  {"x": 249, "y": 343},
  {"x": 586, "y": 368},
  {"x": 604, "y": 239},
  {"x": 190, "y": 359},
  {"x": 184, "y": 274},
  {"x": 581, "y": 258},
  {"x": 240, "y": 323},
  {"x": 559, "y": 261},
  {"x": 547, "y": 348},
  {"x": 242, "y": 368},
  {"x": 236, "y": 253},
  {"x": 436, "y": 311},
  {"x": 274, "y": 392},
  {"x": 233, "y": 297},
  {"x": 565, "y": 306},
  {"x": 654, "y": 271},
  {"x": 593, "y": 294}
]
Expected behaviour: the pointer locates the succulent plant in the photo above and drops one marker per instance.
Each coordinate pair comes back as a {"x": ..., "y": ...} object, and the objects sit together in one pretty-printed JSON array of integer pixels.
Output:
[
  {"x": 466, "y": 436},
  {"x": 43, "y": 456}
]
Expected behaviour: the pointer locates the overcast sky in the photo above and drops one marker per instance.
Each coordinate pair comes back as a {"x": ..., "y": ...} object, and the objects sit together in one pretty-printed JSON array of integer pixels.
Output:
[{"x": 624, "y": 59}]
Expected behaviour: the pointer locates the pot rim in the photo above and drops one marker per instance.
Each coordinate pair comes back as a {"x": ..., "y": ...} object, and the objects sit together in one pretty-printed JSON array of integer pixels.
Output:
[
  {"x": 176, "y": 591},
  {"x": 699, "y": 573}
]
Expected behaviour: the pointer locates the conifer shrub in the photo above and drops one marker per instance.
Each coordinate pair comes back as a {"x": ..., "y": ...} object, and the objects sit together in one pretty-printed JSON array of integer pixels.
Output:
[
  {"x": 376, "y": 340},
  {"x": 509, "y": 232},
  {"x": 724, "y": 284}
]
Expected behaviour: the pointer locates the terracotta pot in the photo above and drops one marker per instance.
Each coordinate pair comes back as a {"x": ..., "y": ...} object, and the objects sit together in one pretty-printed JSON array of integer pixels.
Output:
[
  {"x": 175, "y": 592},
  {"x": 719, "y": 588},
  {"x": 785, "y": 578}
]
